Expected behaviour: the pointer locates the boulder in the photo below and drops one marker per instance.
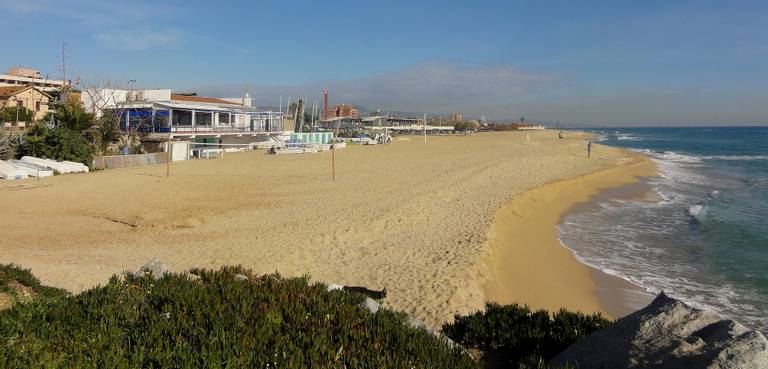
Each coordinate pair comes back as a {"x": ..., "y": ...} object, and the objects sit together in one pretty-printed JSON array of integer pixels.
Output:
[
  {"x": 669, "y": 334},
  {"x": 371, "y": 305},
  {"x": 154, "y": 266}
]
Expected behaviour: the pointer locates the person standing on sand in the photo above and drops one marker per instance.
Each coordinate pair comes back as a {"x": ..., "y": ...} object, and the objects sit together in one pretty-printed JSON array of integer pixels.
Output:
[{"x": 589, "y": 149}]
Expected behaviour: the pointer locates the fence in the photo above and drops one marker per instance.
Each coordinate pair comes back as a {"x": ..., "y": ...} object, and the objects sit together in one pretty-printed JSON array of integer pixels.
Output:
[{"x": 127, "y": 161}]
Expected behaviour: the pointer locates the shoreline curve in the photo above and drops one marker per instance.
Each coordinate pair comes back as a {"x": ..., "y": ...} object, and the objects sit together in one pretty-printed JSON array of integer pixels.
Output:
[{"x": 526, "y": 262}]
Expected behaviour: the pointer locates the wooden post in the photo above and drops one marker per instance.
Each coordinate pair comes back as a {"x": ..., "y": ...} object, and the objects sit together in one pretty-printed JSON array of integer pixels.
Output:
[
  {"x": 333, "y": 150},
  {"x": 168, "y": 157}
]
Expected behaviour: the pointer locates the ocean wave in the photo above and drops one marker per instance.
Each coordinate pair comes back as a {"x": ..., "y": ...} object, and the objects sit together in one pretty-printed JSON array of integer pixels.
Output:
[
  {"x": 671, "y": 156},
  {"x": 626, "y": 137},
  {"x": 735, "y": 157},
  {"x": 681, "y": 158},
  {"x": 623, "y": 252},
  {"x": 689, "y": 158}
]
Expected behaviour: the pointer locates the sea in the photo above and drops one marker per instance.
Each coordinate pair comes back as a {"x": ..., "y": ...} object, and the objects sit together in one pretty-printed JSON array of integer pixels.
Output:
[{"x": 703, "y": 236}]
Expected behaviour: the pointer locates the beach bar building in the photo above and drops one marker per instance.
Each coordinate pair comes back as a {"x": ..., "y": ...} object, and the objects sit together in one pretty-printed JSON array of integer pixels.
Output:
[{"x": 160, "y": 113}]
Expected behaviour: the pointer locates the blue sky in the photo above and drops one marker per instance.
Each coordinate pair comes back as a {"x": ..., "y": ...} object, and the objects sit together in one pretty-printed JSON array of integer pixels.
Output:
[{"x": 589, "y": 62}]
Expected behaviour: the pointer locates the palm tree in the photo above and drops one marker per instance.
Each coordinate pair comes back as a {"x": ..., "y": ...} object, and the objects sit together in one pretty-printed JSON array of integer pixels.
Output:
[{"x": 72, "y": 115}]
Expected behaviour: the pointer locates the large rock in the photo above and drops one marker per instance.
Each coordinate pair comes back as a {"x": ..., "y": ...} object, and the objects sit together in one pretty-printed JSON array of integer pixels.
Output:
[
  {"x": 154, "y": 266},
  {"x": 669, "y": 334}
]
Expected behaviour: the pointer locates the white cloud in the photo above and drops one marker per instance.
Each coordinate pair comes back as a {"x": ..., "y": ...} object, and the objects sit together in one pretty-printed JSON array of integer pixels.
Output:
[
  {"x": 433, "y": 87},
  {"x": 130, "y": 39},
  {"x": 119, "y": 25},
  {"x": 94, "y": 12}
]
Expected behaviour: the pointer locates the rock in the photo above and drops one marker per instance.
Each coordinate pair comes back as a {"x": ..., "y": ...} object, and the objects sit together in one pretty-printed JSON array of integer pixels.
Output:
[
  {"x": 669, "y": 334},
  {"x": 334, "y": 286},
  {"x": 22, "y": 292},
  {"x": 371, "y": 305},
  {"x": 413, "y": 322},
  {"x": 155, "y": 266},
  {"x": 6, "y": 301},
  {"x": 241, "y": 277}
]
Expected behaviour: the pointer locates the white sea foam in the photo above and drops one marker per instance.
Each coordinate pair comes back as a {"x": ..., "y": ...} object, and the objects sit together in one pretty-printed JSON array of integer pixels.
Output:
[
  {"x": 681, "y": 158},
  {"x": 697, "y": 212},
  {"x": 628, "y": 137},
  {"x": 688, "y": 158},
  {"x": 735, "y": 157}
]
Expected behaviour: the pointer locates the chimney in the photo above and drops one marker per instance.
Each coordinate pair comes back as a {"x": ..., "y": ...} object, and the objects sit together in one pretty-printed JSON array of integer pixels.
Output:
[{"x": 325, "y": 103}]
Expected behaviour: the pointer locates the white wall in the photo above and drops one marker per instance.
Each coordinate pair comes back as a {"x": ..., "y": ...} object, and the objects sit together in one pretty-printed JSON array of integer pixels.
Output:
[{"x": 95, "y": 99}]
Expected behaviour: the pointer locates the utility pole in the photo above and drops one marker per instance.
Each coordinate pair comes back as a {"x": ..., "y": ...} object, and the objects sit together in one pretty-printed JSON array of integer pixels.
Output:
[
  {"x": 17, "y": 113},
  {"x": 425, "y": 127}
]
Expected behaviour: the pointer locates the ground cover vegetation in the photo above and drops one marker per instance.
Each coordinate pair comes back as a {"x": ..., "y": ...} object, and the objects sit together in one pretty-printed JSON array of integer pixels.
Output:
[
  {"x": 514, "y": 336},
  {"x": 233, "y": 318}
]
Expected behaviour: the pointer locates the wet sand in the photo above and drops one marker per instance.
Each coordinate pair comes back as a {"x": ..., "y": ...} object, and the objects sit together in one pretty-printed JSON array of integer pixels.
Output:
[{"x": 530, "y": 266}]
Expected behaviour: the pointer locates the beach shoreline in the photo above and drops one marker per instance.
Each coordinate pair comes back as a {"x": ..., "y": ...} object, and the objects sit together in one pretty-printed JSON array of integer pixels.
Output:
[{"x": 528, "y": 264}]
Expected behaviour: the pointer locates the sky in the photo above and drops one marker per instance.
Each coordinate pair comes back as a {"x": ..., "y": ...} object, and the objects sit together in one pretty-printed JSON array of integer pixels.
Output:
[{"x": 612, "y": 62}]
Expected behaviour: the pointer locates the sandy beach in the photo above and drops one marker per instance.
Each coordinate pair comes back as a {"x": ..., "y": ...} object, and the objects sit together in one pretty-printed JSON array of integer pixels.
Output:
[{"x": 445, "y": 224}]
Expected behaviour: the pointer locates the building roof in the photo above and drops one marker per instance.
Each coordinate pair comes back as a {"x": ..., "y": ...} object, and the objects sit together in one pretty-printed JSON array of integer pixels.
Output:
[
  {"x": 32, "y": 80},
  {"x": 374, "y": 118},
  {"x": 176, "y": 105},
  {"x": 8, "y": 91},
  {"x": 200, "y": 99}
]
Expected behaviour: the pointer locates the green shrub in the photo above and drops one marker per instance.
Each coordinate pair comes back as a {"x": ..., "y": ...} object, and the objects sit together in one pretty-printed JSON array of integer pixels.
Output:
[
  {"x": 59, "y": 143},
  {"x": 526, "y": 338},
  {"x": 7, "y": 148},
  {"x": 9, "y": 114},
  {"x": 215, "y": 321}
]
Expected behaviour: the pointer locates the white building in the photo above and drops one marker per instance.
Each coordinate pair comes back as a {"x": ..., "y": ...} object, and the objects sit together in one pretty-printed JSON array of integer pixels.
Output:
[
  {"x": 162, "y": 112},
  {"x": 18, "y": 76}
]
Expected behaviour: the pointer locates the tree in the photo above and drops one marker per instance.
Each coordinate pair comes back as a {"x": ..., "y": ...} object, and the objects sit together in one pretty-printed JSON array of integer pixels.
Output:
[
  {"x": 72, "y": 116},
  {"x": 33, "y": 141},
  {"x": 109, "y": 103},
  {"x": 100, "y": 132},
  {"x": 8, "y": 114},
  {"x": 466, "y": 126},
  {"x": 66, "y": 144}
]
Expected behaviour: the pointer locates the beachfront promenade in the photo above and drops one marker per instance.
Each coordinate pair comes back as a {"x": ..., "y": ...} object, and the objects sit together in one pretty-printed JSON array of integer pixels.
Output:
[{"x": 411, "y": 216}]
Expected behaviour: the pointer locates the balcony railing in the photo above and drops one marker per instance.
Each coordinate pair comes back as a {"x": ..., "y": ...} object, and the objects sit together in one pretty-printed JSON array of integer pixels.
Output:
[{"x": 234, "y": 129}]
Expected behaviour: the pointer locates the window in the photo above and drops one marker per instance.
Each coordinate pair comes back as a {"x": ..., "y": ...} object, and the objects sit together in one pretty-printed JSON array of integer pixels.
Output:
[
  {"x": 37, "y": 106},
  {"x": 20, "y": 103}
]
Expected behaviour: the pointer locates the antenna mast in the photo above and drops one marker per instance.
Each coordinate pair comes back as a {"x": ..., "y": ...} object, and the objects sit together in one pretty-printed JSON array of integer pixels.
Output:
[{"x": 64, "y": 62}]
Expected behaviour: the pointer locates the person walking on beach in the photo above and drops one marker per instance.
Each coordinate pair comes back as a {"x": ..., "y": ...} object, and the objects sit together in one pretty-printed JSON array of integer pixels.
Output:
[{"x": 589, "y": 149}]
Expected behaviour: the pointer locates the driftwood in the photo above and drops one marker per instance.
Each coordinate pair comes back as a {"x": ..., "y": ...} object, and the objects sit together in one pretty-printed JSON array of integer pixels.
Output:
[{"x": 376, "y": 295}]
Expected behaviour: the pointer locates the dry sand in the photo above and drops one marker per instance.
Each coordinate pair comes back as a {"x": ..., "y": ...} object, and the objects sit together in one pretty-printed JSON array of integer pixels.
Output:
[{"x": 411, "y": 216}]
